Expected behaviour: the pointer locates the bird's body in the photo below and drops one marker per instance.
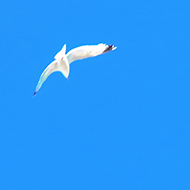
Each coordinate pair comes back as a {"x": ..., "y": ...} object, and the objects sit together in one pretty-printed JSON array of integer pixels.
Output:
[{"x": 62, "y": 61}]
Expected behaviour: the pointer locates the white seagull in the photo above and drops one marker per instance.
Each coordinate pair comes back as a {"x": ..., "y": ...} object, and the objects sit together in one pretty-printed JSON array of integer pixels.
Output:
[{"x": 62, "y": 60}]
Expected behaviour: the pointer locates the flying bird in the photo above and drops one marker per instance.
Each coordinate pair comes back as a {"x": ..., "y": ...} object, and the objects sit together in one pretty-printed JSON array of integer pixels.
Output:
[{"x": 62, "y": 61}]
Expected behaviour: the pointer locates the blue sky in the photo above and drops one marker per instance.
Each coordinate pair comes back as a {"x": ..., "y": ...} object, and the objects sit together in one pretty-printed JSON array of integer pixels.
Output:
[{"x": 121, "y": 121}]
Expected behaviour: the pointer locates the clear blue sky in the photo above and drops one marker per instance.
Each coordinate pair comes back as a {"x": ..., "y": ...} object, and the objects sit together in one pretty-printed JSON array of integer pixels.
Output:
[{"x": 121, "y": 121}]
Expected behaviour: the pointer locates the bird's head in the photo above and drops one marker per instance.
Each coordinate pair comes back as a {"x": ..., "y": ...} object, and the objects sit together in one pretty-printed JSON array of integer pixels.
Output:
[{"x": 60, "y": 56}]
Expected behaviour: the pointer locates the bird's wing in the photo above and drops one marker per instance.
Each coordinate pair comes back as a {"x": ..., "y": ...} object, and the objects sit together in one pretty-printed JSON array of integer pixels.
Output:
[
  {"x": 52, "y": 67},
  {"x": 83, "y": 52}
]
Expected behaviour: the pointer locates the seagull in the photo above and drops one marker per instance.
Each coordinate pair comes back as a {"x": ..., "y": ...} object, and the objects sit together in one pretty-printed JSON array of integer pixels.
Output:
[{"x": 62, "y": 61}]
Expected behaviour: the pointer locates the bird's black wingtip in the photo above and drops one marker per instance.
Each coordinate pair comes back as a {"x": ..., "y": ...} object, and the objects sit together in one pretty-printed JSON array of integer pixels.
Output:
[
  {"x": 109, "y": 48},
  {"x": 35, "y": 93}
]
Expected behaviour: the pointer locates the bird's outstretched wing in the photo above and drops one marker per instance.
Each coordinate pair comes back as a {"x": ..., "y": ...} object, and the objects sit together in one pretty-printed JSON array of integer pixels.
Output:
[
  {"x": 52, "y": 67},
  {"x": 60, "y": 64},
  {"x": 83, "y": 52}
]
